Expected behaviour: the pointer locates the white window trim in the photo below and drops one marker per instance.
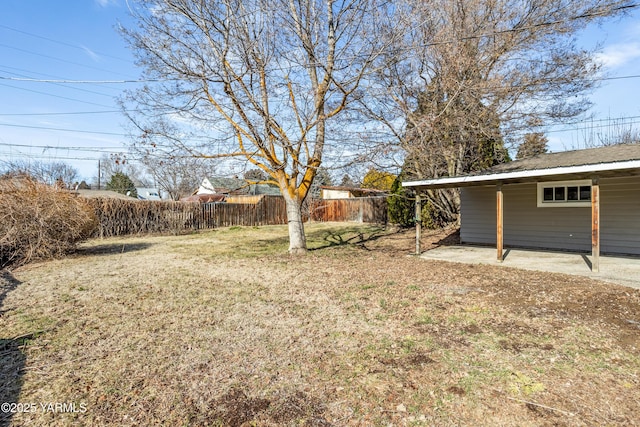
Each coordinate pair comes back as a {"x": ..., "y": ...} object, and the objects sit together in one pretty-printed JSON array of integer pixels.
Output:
[{"x": 566, "y": 203}]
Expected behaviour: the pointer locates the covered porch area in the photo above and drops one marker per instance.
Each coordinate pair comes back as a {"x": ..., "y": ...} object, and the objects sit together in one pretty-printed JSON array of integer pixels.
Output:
[{"x": 583, "y": 201}]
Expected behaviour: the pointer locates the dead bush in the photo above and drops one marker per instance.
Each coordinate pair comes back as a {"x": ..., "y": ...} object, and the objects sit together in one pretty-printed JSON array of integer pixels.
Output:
[
  {"x": 117, "y": 217},
  {"x": 38, "y": 221}
]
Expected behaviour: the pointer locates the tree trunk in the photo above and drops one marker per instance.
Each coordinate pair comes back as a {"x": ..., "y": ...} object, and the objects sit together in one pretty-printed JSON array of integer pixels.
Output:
[{"x": 297, "y": 239}]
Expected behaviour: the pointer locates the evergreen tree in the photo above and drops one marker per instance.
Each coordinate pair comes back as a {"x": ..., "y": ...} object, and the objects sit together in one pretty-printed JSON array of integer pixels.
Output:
[
  {"x": 401, "y": 205},
  {"x": 322, "y": 178},
  {"x": 255, "y": 176},
  {"x": 347, "y": 181},
  {"x": 121, "y": 183},
  {"x": 533, "y": 144},
  {"x": 450, "y": 136}
]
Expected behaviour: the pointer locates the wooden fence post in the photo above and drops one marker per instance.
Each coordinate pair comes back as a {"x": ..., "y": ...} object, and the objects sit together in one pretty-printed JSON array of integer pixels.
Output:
[
  {"x": 595, "y": 225},
  {"x": 418, "y": 223},
  {"x": 499, "y": 222}
]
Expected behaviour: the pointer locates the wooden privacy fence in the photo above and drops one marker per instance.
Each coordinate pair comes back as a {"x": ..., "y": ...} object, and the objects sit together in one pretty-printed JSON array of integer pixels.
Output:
[
  {"x": 357, "y": 209},
  {"x": 263, "y": 210},
  {"x": 117, "y": 217}
]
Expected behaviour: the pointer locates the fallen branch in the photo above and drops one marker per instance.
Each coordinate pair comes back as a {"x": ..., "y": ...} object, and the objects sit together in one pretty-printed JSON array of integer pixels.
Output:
[{"x": 570, "y": 414}]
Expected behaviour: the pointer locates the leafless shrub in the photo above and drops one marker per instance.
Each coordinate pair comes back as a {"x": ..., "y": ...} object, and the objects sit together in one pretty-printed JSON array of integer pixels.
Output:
[{"x": 38, "y": 221}]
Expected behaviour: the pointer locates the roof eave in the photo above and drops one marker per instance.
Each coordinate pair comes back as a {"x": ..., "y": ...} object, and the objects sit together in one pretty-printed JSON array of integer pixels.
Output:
[{"x": 534, "y": 175}]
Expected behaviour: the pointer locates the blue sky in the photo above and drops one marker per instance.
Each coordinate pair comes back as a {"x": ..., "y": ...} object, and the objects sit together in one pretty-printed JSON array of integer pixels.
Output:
[
  {"x": 77, "y": 40},
  {"x": 619, "y": 94},
  {"x": 63, "y": 40}
]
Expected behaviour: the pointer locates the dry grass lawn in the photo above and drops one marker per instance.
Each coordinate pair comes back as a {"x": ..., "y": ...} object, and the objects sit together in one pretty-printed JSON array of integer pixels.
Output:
[{"x": 223, "y": 328}]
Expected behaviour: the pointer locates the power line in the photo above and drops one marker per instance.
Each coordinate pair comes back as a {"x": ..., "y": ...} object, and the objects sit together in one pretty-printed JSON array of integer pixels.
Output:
[
  {"x": 602, "y": 12},
  {"x": 58, "y": 59},
  {"x": 63, "y": 130},
  {"x": 71, "y": 113},
  {"x": 43, "y": 156},
  {"x": 69, "y": 81},
  {"x": 51, "y": 147},
  {"x": 587, "y": 128},
  {"x": 75, "y": 113},
  {"x": 62, "y": 43},
  {"x": 618, "y": 77},
  {"x": 358, "y": 135},
  {"x": 12, "y": 70},
  {"x": 608, "y": 119},
  {"x": 22, "y": 79},
  {"x": 57, "y": 96}
]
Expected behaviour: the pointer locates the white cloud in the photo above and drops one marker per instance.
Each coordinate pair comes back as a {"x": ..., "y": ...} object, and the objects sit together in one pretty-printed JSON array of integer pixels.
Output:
[
  {"x": 91, "y": 53},
  {"x": 618, "y": 55},
  {"x": 105, "y": 3}
]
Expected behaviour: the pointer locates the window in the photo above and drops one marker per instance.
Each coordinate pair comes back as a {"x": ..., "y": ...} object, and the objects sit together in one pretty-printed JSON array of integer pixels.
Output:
[{"x": 564, "y": 194}]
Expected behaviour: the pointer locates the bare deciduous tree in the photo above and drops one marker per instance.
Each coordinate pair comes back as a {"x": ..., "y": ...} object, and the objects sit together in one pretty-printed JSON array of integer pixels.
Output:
[
  {"x": 255, "y": 79},
  {"x": 111, "y": 164},
  {"x": 477, "y": 72},
  {"x": 610, "y": 131},
  {"x": 178, "y": 175},
  {"x": 45, "y": 172}
]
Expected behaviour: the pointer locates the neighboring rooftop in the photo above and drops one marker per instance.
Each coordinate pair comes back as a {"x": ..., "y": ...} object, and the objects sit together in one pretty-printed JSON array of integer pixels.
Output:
[
  {"x": 107, "y": 194},
  {"x": 357, "y": 191},
  {"x": 235, "y": 186}
]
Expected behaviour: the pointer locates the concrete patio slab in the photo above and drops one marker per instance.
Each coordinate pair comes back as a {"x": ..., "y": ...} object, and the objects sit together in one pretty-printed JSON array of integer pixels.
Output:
[{"x": 616, "y": 269}]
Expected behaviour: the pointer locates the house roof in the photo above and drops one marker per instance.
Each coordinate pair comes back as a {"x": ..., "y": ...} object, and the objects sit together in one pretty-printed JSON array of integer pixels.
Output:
[
  {"x": 107, "y": 194},
  {"x": 264, "y": 189},
  {"x": 235, "y": 186},
  {"x": 615, "y": 160},
  {"x": 354, "y": 190},
  {"x": 204, "y": 198},
  {"x": 229, "y": 183}
]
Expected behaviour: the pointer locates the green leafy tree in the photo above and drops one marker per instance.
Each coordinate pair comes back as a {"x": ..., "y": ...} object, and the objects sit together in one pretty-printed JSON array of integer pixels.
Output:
[
  {"x": 378, "y": 180},
  {"x": 121, "y": 183}
]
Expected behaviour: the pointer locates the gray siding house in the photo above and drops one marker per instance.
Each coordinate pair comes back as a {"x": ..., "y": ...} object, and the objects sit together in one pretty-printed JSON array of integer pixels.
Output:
[{"x": 582, "y": 200}]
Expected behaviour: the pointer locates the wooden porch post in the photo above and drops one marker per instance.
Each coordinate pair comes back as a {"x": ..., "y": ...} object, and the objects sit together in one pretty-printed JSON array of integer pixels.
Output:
[
  {"x": 595, "y": 224},
  {"x": 499, "y": 220},
  {"x": 418, "y": 222}
]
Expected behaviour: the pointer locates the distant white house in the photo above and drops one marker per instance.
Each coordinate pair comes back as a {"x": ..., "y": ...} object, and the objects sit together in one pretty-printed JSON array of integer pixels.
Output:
[
  {"x": 206, "y": 187},
  {"x": 220, "y": 185},
  {"x": 148, "y": 193},
  {"x": 342, "y": 192},
  {"x": 235, "y": 186}
]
